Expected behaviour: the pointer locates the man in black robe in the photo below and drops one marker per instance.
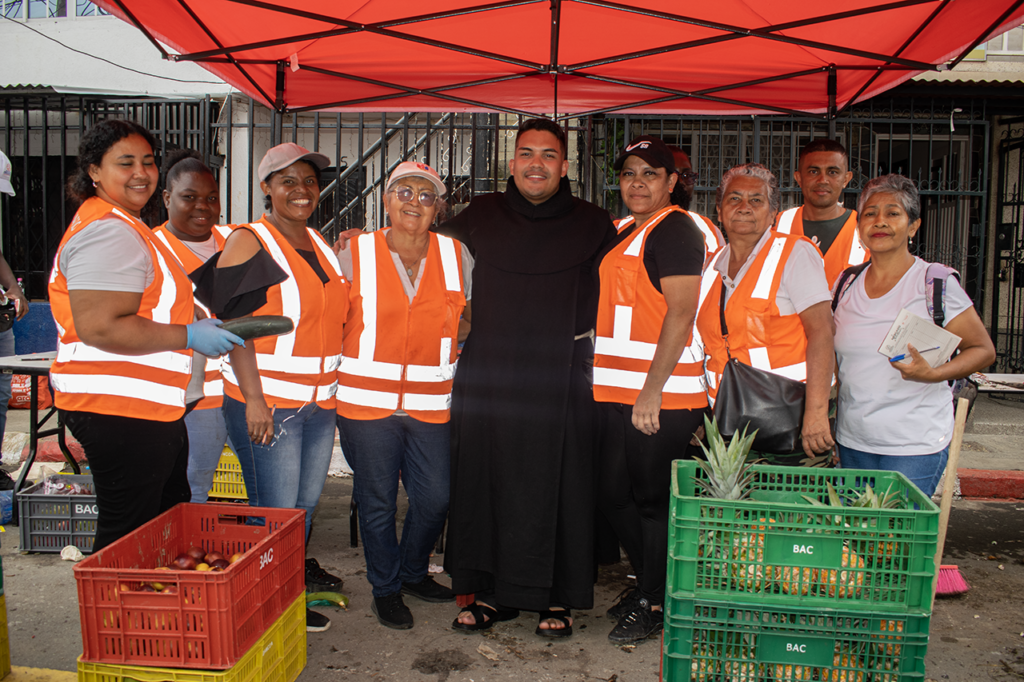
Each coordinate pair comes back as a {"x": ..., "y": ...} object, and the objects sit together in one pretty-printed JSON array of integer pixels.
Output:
[{"x": 520, "y": 530}]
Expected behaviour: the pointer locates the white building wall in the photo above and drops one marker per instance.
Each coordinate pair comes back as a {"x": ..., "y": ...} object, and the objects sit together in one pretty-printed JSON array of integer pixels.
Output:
[{"x": 43, "y": 52}]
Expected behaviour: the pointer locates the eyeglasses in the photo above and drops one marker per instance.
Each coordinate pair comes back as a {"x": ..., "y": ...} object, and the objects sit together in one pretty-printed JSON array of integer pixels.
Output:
[
  {"x": 405, "y": 195},
  {"x": 688, "y": 174}
]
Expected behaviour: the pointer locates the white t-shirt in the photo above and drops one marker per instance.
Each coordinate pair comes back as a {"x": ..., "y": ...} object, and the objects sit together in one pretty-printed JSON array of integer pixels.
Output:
[
  {"x": 878, "y": 411},
  {"x": 803, "y": 277},
  {"x": 410, "y": 287}
]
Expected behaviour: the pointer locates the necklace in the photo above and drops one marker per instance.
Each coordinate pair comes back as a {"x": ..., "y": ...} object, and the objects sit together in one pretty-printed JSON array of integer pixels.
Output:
[{"x": 408, "y": 268}]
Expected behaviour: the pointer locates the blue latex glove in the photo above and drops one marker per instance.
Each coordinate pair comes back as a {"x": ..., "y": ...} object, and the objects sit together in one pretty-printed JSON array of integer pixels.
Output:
[{"x": 205, "y": 336}]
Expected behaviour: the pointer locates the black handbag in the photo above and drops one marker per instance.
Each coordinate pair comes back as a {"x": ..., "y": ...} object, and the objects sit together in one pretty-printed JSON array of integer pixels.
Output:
[{"x": 751, "y": 397}]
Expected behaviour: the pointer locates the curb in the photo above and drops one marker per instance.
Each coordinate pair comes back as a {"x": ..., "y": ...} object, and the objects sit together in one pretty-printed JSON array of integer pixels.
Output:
[{"x": 985, "y": 483}]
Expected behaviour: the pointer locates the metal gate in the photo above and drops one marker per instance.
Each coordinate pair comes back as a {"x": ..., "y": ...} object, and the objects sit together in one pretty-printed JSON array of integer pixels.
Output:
[{"x": 1008, "y": 296}]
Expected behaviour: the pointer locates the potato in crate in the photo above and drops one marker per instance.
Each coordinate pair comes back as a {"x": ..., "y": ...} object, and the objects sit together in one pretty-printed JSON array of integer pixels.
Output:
[{"x": 136, "y": 610}]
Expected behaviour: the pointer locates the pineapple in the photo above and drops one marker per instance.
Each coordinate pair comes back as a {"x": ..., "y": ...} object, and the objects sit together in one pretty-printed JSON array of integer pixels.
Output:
[
  {"x": 844, "y": 584},
  {"x": 841, "y": 672},
  {"x": 792, "y": 673},
  {"x": 795, "y": 580},
  {"x": 729, "y": 475},
  {"x": 890, "y": 650},
  {"x": 748, "y": 548}
]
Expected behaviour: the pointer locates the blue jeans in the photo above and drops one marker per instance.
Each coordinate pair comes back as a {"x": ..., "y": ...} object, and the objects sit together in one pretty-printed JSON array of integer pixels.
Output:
[
  {"x": 290, "y": 471},
  {"x": 378, "y": 450},
  {"x": 6, "y": 349},
  {"x": 207, "y": 434},
  {"x": 924, "y": 471}
]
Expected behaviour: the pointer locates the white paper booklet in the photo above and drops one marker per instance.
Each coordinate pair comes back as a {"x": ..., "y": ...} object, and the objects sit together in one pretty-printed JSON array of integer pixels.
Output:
[{"x": 934, "y": 343}]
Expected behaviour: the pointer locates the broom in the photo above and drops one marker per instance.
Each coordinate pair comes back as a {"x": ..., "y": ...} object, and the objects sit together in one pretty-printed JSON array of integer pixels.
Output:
[{"x": 949, "y": 581}]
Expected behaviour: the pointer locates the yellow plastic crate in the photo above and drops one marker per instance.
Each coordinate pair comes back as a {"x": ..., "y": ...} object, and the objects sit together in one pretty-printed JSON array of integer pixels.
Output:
[
  {"x": 228, "y": 483},
  {"x": 5, "y": 643},
  {"x": 278, "y": 656}
]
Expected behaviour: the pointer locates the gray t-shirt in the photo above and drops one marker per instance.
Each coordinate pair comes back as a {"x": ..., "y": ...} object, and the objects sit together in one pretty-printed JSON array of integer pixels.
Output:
[
  {"x": 87, "y": 258},
  {"x": 825, "y": 231}
]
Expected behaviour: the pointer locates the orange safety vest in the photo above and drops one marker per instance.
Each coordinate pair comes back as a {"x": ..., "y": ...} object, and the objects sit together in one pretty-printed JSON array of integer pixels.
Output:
[
  {"x": 630, "y": 314},
  {"x": 87, "y": 379},
  {"x": 759, "y": 335},
  {"x": 300, "y": 367},
  {"x": 213, "y": 385},
  {"x": 846, "y": 250},
  {"x": 397, "y": 354}
]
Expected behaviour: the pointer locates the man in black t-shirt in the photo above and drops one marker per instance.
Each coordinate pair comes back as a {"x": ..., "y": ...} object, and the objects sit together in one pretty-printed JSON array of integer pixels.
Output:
[{"x": 823, "y": 175}]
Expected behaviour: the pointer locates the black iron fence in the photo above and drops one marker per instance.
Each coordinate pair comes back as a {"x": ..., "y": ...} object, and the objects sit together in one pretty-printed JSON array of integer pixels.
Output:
[{"x": 941, "y": 143}]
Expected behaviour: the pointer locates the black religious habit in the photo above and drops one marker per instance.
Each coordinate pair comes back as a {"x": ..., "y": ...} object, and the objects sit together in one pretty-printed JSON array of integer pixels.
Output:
[{"x": 523, "y": 418}]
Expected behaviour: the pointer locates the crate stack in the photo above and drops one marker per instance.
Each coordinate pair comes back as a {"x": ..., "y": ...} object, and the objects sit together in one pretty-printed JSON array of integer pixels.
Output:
[
  {"x": 775, "y": 588},
  {"x": 244, "y": 624}
]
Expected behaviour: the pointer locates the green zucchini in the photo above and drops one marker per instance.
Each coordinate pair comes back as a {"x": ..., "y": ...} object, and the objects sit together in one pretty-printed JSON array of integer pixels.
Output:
[{"x": 261, "y": 325}]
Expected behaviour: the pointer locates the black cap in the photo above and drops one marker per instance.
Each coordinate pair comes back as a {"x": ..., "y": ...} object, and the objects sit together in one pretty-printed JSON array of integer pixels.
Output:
[{"x": 651, "y": 149}]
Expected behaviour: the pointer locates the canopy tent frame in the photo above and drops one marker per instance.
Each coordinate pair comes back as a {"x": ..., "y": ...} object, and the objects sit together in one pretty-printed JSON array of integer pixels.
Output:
[{"x": 226, "y": 54}]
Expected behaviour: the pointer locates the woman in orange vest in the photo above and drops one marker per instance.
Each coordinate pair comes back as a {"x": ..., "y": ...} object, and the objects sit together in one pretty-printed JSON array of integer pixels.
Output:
[
  {"x": 647, "y": 370},
  {"x": 192, "y": 200},
  {"x": 124, "y": 310},
  {"x": 776, "y": 298},
  {"x": 410, "y": 288},
  {"x": 279, "y": 390}
]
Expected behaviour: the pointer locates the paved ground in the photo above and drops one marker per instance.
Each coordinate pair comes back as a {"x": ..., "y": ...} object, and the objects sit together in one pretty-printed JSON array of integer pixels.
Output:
[{"x": 976, "y": 636}]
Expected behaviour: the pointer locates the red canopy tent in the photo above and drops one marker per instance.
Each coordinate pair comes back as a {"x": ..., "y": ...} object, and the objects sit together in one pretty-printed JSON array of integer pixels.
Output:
[{"x": 568, "y": 57}]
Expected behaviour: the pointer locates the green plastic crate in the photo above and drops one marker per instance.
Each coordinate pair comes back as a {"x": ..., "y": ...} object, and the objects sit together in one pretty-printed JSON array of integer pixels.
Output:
[
  {"x": 777, "y": 548},
  {"x": 707, "y": 641}
]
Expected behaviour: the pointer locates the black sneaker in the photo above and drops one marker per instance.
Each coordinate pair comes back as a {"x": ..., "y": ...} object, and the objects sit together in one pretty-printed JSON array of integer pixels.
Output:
[
  {"x": 316, "y": 622},
  {"x": 626, "y": 602},
  {"x": 638, "y": 624},
  {"x": 429, "y": 590},
  {"x": 319, "y": 580},
  {"x": 392, "y": 612}
]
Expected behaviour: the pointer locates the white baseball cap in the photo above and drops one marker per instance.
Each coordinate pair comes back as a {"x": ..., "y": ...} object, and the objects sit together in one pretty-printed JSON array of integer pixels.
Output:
[
  {"x": 5, "y": 175},
  {"x": 420, "y": 170}
]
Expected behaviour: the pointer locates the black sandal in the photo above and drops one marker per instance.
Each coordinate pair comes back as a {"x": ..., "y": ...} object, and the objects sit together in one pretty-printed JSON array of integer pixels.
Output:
[
  {"x": 494, "y": 615},
  {"x": 564, "y": 615}
]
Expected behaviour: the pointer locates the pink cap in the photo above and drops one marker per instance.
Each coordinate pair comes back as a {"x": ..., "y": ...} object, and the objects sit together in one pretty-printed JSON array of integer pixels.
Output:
[
  {"x": 420, "y": 170},
  {"x": 284, "y": 155}
]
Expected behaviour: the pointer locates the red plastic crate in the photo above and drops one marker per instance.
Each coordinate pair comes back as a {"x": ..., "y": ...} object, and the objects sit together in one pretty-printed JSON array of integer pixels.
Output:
[{"x": 213, "y": 618}]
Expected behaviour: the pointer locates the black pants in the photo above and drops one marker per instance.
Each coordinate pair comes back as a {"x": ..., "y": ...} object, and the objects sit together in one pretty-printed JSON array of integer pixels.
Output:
[
  {"x": 634, "y": 479},
  {"x": 139, "y": 469}
]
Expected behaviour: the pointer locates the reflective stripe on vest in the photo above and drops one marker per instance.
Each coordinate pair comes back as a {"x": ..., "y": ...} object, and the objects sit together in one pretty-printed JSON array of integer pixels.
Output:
[
  {"x": 858, "y": 254},
  {"x": 710, "y": 240},
  {"x": 291, "y": 305},
  {"x": 125, "y": 387},
  {"x": 785, "y": 225}
]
